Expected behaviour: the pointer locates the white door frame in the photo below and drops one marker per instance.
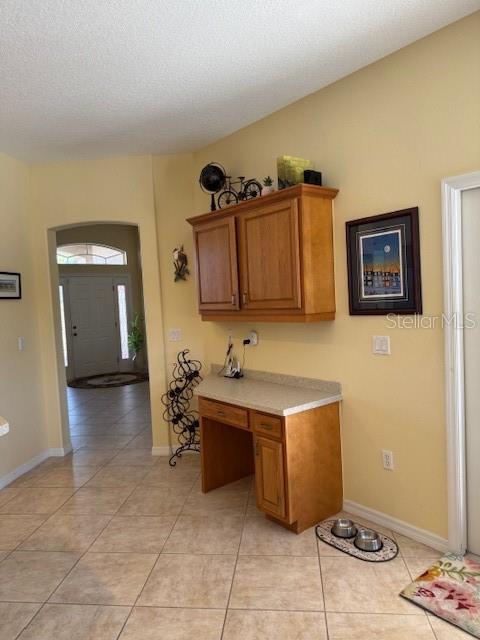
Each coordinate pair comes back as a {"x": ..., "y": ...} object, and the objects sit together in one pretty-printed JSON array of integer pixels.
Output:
[{"x": 452, "y": 189}]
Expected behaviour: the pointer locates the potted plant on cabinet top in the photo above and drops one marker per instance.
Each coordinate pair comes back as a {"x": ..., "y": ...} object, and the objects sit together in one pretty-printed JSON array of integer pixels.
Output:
[{"x": 267, "y": 186}]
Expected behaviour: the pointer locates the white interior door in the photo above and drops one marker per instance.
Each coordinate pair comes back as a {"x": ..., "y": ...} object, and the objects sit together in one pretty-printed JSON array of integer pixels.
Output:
[
  {"x": 93, "y": 325},
  {"x": 471, "y": 304}
]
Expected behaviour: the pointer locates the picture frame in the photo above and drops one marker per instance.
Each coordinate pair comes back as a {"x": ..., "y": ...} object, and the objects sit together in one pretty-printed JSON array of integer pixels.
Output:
[
  {"x": 383, "y": 262},
  {"x": 10, "y": 286}
]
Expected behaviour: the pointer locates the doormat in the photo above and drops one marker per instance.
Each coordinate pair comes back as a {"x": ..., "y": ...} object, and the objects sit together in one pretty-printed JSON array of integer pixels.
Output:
[
  {"x": 450, "y": 589},
  {"x": 389, "y": 549},
  {"x": 108, "y": 380}
]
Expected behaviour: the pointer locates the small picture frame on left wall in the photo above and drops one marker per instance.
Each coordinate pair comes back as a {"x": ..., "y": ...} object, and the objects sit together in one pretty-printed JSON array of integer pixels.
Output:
[{"x": 10, "y": 286}]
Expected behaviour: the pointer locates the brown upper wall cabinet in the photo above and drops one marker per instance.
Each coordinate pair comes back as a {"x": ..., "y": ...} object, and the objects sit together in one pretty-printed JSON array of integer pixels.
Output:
[
  {"x": 268, "y": 259},
  {"x": 217, "y": 273}
]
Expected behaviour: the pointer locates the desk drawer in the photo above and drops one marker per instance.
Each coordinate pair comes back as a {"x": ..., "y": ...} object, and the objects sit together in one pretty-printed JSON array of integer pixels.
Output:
[
  {"x": 267, "y": 425},
  {"x": 223, "y": 413}
]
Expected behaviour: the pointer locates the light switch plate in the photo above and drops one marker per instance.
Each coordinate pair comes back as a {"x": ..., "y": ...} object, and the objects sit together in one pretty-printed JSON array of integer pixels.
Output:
[
  {"x": 387, "y": 458},
  {"x": 21, "y": 343},
  {"x": 174, "y": 335},
  {"x": 381, "y": 345}
]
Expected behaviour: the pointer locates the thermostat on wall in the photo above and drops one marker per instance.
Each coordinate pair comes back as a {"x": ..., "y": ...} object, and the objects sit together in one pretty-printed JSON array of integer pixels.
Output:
[{"x": 4, "y": 427}]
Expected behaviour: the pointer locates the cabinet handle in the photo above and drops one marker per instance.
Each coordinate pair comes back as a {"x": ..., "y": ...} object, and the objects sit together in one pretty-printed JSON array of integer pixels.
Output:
[
  {"x": 233, "y": 299},
  {"x": 244, "y": 297},
  {"x": 220, "y": 413},
  {"x": 269, "y": 427}
]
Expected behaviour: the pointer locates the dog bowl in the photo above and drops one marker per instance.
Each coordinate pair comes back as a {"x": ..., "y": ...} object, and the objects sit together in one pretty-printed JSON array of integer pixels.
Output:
[
  {"x": 344, "y": 528},
  {"x": 368, "y": 540}
]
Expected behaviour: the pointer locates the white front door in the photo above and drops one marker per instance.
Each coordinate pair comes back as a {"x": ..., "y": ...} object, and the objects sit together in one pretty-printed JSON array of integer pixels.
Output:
[
  {"x": 94, "y": 332},
  {"x": 471, "y": 304}
]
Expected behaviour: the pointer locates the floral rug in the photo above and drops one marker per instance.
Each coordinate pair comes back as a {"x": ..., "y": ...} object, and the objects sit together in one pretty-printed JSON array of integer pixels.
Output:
[{"x": 450, "y": 589}]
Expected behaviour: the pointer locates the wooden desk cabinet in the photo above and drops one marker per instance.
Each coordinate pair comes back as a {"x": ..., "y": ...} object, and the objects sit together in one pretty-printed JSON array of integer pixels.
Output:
[
  {"x": 296, "y": 459},
  {"x": 268, "y": 259}
]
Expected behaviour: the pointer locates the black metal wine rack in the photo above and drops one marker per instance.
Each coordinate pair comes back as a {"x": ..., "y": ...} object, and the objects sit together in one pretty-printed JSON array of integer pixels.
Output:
[{"x": 184, "y": 421}]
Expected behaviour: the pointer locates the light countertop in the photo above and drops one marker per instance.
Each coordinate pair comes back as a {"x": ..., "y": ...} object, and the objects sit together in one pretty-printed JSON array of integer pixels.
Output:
[{"x": 273, "y": 393}]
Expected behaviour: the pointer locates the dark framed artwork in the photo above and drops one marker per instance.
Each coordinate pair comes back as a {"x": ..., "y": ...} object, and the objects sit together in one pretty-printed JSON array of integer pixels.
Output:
[
  {"x": 383, "y": 255},
  {"x": 10, "y": 286}
]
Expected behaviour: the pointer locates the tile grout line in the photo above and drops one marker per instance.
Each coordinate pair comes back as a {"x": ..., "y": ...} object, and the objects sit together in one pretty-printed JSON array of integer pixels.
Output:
[
  {"x": 89, "y": 547},
  {"x": 245, "y": 513},
  {"x": 323, "y": 588},
  {"x": 431, "y": 627},
  {"x": 155, "y": 563},
  {"x": 82, "y": 555},
  {"x": 47, "y": 601}
]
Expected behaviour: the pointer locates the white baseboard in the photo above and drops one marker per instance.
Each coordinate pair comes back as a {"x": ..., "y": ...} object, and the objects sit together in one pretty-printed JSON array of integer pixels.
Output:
[
  {"x": 399, "y": 526},
  {"x": 161, "y": 451},
  {"x": 59, "y": 452},
  {"x": 32, "y": 463}
]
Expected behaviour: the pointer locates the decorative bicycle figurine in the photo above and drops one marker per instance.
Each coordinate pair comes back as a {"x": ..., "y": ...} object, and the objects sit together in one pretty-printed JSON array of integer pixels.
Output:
[{"x": 230, "y": 195}]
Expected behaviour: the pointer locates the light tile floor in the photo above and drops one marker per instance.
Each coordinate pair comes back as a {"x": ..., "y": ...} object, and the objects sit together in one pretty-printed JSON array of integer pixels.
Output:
[{"x": 110, "y": 543}]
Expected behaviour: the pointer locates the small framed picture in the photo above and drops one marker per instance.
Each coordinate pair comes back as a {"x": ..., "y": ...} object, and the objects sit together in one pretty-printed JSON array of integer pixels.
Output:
[
  {"x": 383, "y": 254},
  {"x": 10, "y": 286}
]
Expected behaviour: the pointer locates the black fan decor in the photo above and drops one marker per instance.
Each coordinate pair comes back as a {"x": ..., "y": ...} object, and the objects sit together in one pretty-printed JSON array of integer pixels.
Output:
[
  {"x": 184, "y": 421},
  {"x": 212, "y": 179}
]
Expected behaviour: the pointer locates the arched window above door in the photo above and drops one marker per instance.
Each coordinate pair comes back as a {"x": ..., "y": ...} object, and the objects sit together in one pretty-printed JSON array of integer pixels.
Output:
[{"x": 88, "y": 253}]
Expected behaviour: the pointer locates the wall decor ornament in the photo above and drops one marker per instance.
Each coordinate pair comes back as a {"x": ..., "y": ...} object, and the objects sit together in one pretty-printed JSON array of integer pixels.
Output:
[
  {"x": 213, "y": 179},
  {"x": 180, "y": 262},
  {"x": 290, "y": 170},
  {"x": 10, "y": 286},
  {"x": 247, "y": 189},
  {"x": 383, "y": 258},
  {"x": 184, "y": 421}
]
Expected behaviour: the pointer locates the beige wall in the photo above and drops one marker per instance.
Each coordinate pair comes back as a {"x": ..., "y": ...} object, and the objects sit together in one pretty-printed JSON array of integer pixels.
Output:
[
  {"x": 385, "y": 136},
  {"x": 20, "y": 372},
  {"x": 173, "y": 203},
  {"x": 118, "y": 190}
]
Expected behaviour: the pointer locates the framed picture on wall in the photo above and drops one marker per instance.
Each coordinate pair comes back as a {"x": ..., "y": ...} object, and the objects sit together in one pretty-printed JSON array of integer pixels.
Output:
[
  {"x": 10, "y": 286},
  {"x": 383, "y": 256}
]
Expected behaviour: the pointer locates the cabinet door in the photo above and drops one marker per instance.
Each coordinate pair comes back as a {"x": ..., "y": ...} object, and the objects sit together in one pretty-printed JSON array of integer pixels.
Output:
[
  {"x": 217, "y": 273},
  {"x": 270, "y": 257},
  {"x": 270, "y": 476}
]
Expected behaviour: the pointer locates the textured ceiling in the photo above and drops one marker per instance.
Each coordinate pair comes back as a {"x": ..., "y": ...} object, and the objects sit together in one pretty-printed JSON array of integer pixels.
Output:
[{"x": 88, "y": 77}]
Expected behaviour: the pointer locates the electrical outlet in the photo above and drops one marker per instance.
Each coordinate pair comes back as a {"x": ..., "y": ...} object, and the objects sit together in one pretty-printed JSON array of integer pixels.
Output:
[
  {"x": 253, "y": 337},
  {"x": 387, "y": 457},
  {"x": 381, "y": 345},
  {"x": 174, "y": 335}
]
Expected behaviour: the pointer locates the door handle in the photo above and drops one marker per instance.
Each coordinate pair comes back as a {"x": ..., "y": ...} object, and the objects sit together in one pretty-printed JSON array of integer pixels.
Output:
[
  {"x": 244, "y": 297},
  {"x": 233, "y": 299}
]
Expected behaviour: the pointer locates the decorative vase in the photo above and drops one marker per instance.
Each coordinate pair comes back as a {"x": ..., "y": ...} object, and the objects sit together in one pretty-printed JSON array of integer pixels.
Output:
[{"x": 267, "y": 190}]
